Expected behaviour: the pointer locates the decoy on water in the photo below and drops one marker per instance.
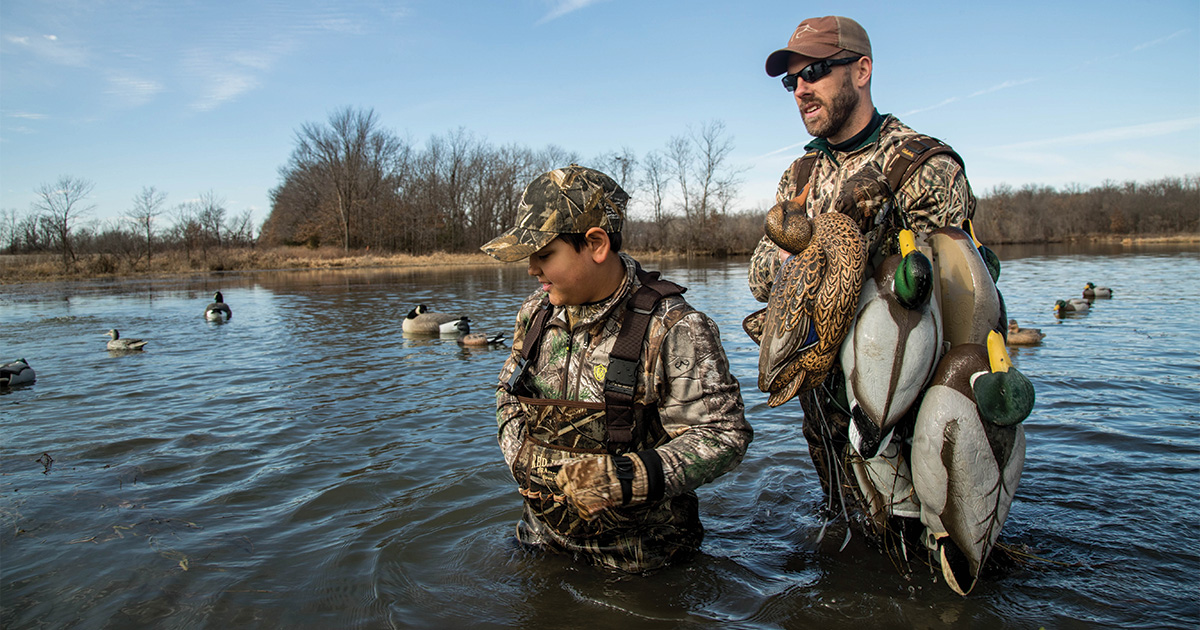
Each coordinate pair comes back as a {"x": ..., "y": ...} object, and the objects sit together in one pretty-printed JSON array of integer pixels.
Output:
[
  {"x": 1091, "y": 292},
  {"x": 1018, "y": 336},
  {"x": 218, "y": 311},
  {"x": 481, "y": 340},
  {"x": 1062, "y": 308},
  {"x": 117, "y": 343},
  {"x": 423, "y": 321},
  {"x": 16, "y": 373}
]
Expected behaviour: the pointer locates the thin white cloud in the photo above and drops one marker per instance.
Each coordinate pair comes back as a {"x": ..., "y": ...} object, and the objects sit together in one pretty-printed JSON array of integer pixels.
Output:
[
  {"x": 1101, "y": 136},
  {"x": 223, "y": 77},
  {"x": 49, "y": 48},
  {"x": 560, "y": 8},
  {"x": 1160, "y": 40},
  {"x": 26, "y": 115},
  {"x": 132, "y": 91},
  {"x": 1001, "y": 86}
]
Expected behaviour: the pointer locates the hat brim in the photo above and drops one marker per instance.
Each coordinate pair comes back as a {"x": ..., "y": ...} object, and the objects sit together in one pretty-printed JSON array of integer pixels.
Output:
[
  {"x": 777, "y": 62},
  {"x": 517, "y": 244}
]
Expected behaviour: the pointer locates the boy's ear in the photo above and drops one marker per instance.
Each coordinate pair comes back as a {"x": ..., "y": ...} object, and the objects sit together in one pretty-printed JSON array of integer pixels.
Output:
[{"x": 598, "y": 244}]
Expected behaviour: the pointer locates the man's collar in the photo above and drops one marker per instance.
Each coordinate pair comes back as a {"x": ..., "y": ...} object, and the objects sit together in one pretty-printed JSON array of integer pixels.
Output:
[{"x": 869, "y": 134}]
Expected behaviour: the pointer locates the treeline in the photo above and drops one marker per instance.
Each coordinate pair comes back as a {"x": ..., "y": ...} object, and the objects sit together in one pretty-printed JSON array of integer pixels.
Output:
[
  {"x": 56, "y": 223},
  {"x": 354, "y": 184},
  {"x": 1041, "y": 214}
]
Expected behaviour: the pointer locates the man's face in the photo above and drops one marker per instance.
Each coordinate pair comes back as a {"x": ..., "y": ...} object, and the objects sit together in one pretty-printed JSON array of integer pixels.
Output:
[
  {"x": 569, "y": 276},
  {"x": 827, "y": 103}
]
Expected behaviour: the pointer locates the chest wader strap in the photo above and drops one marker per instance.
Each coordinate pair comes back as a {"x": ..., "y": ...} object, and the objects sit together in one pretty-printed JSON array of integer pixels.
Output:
[
  {"x": 529, "y": 345},
  {"x": 620, "y": 381},
  {"x": 913, "y": 153}
]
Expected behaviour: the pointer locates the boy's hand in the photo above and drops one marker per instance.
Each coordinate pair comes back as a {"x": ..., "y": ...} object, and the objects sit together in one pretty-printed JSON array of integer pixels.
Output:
[{"x": 594, "y": 484}]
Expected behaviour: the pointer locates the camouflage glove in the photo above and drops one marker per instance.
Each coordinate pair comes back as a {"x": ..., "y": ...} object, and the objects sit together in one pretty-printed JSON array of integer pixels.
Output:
[{"x": 594, "y": 484}]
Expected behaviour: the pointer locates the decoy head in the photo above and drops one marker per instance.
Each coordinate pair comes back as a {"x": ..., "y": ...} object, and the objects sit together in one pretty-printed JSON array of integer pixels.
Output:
[
  {"x": 1004, "y": 396},
  {"x": 419, "y": 310},
  {"x": 914, "y": 275},
  {"x": 990, "y": 259},
  {"x": 113, "y": 334},
  {"x": 1090, "y": 286},
  {"x": 217, "y": 297}
]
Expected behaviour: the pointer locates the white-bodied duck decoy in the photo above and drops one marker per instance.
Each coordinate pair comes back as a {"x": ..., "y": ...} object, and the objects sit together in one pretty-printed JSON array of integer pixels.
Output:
[
  {"x": 1018, "y": 336},
  {"x": 1091, "y": 292},
  {"x": 481, "y": 340},
  {"x": 117, "y": 343},
  {"x": 218, "y": 311},
  {"x": 968, "y": 451},
  {"x": 16, "y": 373},
  {"x": 423, "y": 321},
  {"x": 1073, "y": 306},
  {"x": 892, "y": 345}
]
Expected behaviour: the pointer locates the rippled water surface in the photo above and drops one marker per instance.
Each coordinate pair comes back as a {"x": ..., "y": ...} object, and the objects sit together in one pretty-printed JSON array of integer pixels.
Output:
[{"x": 309, "y": 466}]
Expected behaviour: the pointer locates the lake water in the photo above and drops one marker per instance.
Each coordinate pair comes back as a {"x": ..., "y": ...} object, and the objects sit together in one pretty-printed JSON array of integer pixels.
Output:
[{"x": 308, "y": 466}]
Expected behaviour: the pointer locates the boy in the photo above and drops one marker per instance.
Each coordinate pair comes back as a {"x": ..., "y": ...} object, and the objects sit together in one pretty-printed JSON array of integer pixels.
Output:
[{"x": 616, "y": 402}]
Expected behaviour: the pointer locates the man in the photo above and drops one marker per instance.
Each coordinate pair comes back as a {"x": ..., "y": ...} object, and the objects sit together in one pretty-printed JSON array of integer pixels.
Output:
[
  {"x": 616, "y": 402},
  {"x": 869, "y": 166}
]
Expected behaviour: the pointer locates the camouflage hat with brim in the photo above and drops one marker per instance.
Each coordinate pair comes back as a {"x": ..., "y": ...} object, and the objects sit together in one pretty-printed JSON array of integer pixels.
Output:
[{"x": 568, "y": 200}]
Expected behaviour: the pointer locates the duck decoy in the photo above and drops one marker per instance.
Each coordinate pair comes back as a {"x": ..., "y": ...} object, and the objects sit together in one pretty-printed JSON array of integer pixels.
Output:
[
  {"x": 1073, "y": 306},
  {"x": 971, "y": 304},
  {"x": 117, "y": 343},
  {"x": 423, "y": 321},
  {"x": 16, "y": 373},
  {"x": 968, "y": 451},
  {"x": 892, "y": 346},
  {"x": 812, "y": 301},
  {"x": 218, "y": 311},
  {"x": 1091, "y": 292},
  {"x": 481, "y": 340},
  {"x": 989, "y": 257},
  {"x": 1018, "y": 336}
]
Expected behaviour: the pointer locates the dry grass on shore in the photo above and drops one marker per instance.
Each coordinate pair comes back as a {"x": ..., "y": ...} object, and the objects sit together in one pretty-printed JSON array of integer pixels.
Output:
[{"x": 48, "y": 267}]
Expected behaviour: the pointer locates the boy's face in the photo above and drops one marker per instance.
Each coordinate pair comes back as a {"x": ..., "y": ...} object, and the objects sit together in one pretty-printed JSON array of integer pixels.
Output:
[{"x": 570, "y": 277}]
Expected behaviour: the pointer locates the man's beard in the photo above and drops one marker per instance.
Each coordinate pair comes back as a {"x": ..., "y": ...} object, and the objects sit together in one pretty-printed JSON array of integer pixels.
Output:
[{"x": 836, "y": 112}]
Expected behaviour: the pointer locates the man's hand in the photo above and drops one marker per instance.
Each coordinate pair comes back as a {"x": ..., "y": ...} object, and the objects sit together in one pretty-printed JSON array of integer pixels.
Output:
[{"x": 594, "y": 484}]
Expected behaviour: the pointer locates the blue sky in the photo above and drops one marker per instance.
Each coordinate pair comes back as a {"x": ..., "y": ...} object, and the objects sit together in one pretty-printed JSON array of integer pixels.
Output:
[{"x": 192, "y": 96}]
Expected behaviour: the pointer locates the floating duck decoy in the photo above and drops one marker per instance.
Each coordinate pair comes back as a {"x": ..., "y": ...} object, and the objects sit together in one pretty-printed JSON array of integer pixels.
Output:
[
  {"x": 218, "y": 311},
  {"x": 812, "y": 301},
  {"x": 1018, "y": 336},
  {"x": 1091, "y": 292},
  {"x": 968, "y": 451},
  {"x": 481, "y": 340},
  {"x": 892, "y": 346},
  {"x": 1073, "y": 306},
  {"x": 423, "y": 321},
  {"x": 16, "y": 373},
  {"x": 119, "y": 344}
]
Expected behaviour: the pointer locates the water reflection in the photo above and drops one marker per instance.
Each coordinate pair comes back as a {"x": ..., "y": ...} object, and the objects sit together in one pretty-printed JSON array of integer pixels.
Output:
[{"x": 308, "y": 465}]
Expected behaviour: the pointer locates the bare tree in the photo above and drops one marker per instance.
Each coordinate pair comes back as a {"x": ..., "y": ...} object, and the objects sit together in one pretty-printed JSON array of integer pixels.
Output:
[
  {"x": 148, "y": 205},
  {"x": 707, "y": 184},
  {"x": 210, "y": 212},
  {"x": 656, "y": 181},
  {"x": 60, "y": 207},
  {"x": 354, "y": 160},
  {"x": 621, "y": 166}
]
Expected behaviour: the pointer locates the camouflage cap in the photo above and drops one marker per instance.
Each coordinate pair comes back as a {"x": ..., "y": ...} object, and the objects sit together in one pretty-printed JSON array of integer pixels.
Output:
[{"x": 568, "y": 200}]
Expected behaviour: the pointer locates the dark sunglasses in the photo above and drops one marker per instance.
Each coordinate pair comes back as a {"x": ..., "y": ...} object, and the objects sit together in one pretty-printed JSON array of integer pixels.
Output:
[{"x": 815, "y": 71}]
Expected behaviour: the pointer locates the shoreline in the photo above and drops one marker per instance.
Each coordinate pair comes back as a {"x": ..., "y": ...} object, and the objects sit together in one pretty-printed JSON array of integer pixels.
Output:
[{"x": 34, "y": 268}]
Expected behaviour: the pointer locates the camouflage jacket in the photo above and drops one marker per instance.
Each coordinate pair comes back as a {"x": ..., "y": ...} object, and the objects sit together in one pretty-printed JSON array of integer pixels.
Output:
[
  {"x": 684, "y": 375},
  {"x": 854, "y": 182}
]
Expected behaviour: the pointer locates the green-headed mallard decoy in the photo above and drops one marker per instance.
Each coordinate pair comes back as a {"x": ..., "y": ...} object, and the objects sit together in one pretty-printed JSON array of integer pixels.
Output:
[
  {"x": 812, "y": 300},
  {"x": 422, "y": 321},
  {"x": 1018, "y": 336},
  {"x": 892, "y": 346},
  {"x": 117, "y": 343},
  {"x": 968, "y": 451},
  {"x": 480, "y": 340},
  {"x": 1091, "y": 292},
  {"x": 218, "y": 311},
  {"x": 1073, "y": 306},
  {"x": 989, "y": 257},
  {"x": 16, "y": 373}
]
